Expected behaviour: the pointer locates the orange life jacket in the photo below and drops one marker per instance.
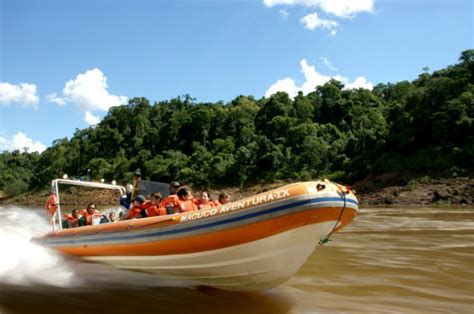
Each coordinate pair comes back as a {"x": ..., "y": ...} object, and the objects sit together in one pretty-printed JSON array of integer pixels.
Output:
[
  {"x": 51, "y": 204},
  {"x": 201, "y": 205},
  {"x": 215, "y": 203},
  {"x": 68, "y": 217},
  {"x": 135, "y": 210},
  {"x": 156, "y": 211},
  {"x": 151, "y": 210},
  {"x": 161, "y": 211},
  {"x": 88, "y": 216},
  {"x": 71, "y": 220},
  {"x": 172, "y": 200},
  {"x": 187, "y": 206}
]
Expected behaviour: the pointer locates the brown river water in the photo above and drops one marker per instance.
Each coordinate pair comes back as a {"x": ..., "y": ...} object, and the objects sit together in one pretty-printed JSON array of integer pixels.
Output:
[{"x": 389, "y": 260}]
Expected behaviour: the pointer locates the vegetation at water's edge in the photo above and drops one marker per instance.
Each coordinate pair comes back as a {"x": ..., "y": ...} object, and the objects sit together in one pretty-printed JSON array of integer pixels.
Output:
[{"x": 423, "y": 127}]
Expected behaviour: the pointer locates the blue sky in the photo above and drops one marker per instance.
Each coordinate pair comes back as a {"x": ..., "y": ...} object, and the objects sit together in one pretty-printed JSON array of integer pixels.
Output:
[{"x": 63, "y": 64}]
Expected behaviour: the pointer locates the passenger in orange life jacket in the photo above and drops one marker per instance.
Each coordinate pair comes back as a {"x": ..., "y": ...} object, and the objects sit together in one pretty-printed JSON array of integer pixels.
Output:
[
  {"x": 73, "y": 220},
  {"x": 152, "y": 207},
  {"x": 203, "y": 202},
  {"x": 51, "y": 204},
  {"x": 135, "y": 208},
  {"x": 156, "y": 208},
  {"x": 89, "y": 213},
  {"x": 171, "y": 202},
  {"x": 186, "y": 203}
]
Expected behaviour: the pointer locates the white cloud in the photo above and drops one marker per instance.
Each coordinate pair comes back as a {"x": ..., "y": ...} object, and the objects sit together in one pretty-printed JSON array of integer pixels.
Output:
[
  {"x": 360, "y": 82},
  {"x": 91, "y": 119},
  {"x": 312, "y": 21},
  {"x": 23, "y": 94},
  {"x": 312, "y": 80},
  {"x": 340, "y": 8},
  {"x": 286, "y": 85},
  {"x": 284, "y": 13},
  {"x": 346, "y": 8},
  {"x": 20, "y": 141},
  {"x": 328, "y": 64},
  {"x": 89, "y": 93},
  {"x": 53, "y": 98}
]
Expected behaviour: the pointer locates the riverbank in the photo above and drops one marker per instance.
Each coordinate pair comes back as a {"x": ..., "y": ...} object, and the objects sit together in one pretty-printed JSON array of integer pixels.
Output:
[
  {"x": 395, "y": 189},
  {"x": 387, "y": 189}
]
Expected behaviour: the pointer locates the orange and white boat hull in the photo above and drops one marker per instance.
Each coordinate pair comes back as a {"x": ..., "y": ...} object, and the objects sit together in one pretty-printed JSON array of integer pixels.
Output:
[
  {"x": 256, "y": 265},
  {"x": 252, "y": 244}
]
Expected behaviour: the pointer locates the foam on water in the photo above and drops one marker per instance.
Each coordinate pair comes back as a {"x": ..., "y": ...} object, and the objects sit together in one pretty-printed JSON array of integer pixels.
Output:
[
  {"x": 389, "y": 260},
  {"x": 24, "y": 263}
]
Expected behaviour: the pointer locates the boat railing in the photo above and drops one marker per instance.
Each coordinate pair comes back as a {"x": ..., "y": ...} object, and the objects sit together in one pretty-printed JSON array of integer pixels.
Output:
[{"x": 57, "y": 218}]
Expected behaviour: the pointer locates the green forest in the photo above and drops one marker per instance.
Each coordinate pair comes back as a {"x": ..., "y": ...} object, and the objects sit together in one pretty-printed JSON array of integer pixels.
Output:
[{"x": 424, "y": 127}]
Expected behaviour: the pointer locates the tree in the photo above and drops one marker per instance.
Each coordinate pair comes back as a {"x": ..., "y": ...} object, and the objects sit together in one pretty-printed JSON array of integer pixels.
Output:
[{"x": 423, "y": 125}]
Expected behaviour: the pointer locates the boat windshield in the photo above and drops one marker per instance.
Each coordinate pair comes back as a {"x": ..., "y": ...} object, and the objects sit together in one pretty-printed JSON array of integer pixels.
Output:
[{"x": 147, "y": 187}]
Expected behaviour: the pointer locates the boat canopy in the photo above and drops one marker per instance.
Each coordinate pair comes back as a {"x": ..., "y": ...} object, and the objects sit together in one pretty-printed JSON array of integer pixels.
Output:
[{"x": 56, "y": 219}]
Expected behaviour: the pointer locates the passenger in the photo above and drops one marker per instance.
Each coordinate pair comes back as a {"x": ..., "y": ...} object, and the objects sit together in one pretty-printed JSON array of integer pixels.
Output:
[
  {"x": 157, "y": 208},
  {"x": 213, "y": 202},
  {"x": 153, "y": 207},
  {"x": 224, "y": 198},
  {"x": 90, "y": 213},
  {"x": 51, "y": 204},
  {"x": 104, "y": 219},
  {"x": 136, "y": 207},
  {"x": 125, "y": 199},
  {"x": 137, "y": 176},
  {"x": 131, "y": 190},
  {"x": 171, "y": 202},
  {"x": 203, "y": 202},
  {"x": 186, "y": 203},
  {"x": 73, "y": 220},
  {"x": 113, "y": 217}
]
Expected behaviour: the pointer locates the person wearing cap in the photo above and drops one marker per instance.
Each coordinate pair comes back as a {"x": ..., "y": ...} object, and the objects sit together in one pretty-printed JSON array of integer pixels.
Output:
[
  {"x": 174, "y": 187},
  {"x": 135, "y": 208},
  {"x": 137, "y": 176},
  {"x": 171, "y": 202}
]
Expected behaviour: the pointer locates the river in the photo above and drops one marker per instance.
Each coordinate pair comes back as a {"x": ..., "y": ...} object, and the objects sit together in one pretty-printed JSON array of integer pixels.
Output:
[{"x": 389, "y": 260}]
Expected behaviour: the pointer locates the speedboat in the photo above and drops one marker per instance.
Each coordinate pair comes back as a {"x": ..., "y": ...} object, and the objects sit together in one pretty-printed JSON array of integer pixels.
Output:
[{"x": 251, "y": 244}]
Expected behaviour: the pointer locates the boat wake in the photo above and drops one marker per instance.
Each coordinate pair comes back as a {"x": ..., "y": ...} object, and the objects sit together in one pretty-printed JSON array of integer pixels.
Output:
[
  {"x": 34, "y": 279},
  {"x": 24, "y": 263}
]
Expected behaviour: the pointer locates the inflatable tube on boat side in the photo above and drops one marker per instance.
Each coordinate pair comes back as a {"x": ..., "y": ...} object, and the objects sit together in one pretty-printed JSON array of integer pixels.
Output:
[{"x": 250, "y": 244}]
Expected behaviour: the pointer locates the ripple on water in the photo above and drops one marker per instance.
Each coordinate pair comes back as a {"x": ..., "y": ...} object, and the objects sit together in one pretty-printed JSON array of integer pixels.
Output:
[{"x": 389, "y": 260}]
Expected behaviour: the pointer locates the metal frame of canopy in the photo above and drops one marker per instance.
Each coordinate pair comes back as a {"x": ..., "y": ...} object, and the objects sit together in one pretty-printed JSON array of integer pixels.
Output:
[{"x": 56, "y": 219}]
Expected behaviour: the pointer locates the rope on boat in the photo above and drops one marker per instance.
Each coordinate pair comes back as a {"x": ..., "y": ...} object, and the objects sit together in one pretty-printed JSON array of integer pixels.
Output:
[
  {"x": 327, "y": 238},
  {"x": 126, "y": 228},
  {"x": 153, "y": 223}
]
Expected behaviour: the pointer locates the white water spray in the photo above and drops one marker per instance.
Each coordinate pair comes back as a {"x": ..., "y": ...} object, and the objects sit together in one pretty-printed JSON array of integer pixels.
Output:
[{"x": 24, "y": 263}]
